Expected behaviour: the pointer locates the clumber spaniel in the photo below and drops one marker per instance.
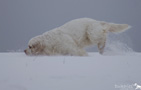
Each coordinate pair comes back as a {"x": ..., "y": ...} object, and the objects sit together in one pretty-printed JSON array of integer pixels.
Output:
[{"x": 72, "y": 37}]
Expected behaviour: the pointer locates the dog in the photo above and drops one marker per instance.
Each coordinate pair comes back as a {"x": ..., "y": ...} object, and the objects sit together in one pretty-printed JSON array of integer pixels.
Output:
[{"x": 73, "y": 37}]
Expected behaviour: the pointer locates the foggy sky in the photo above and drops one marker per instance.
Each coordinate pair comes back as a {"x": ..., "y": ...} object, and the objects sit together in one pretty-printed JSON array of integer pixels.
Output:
[{"x": 20, "y": 20}]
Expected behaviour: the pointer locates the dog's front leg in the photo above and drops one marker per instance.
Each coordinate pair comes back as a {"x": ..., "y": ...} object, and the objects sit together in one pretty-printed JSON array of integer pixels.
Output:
[{"x": 101, "y": 47}]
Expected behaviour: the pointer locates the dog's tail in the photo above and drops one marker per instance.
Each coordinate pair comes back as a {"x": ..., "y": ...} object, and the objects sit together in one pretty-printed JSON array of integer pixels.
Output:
[{"x": 115, "y": 28}]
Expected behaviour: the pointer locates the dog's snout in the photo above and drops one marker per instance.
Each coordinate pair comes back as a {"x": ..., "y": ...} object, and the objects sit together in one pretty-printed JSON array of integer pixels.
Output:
[{"x": 25, "y": 51}]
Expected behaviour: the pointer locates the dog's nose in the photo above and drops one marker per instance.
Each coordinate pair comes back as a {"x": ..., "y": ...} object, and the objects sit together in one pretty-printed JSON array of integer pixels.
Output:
[{"x": 25, "y": 51}]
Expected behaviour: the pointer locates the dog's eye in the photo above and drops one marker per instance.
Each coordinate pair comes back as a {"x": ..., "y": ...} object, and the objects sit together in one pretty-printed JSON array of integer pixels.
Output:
[{"x": 30, "y": 47}]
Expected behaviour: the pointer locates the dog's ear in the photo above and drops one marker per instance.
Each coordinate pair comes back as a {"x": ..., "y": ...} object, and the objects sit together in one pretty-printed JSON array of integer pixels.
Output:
[{"x": 39, "y": 45}]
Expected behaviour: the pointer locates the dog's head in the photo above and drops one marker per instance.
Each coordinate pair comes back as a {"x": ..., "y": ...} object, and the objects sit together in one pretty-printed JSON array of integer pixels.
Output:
[{"x": 35, "y": 46}]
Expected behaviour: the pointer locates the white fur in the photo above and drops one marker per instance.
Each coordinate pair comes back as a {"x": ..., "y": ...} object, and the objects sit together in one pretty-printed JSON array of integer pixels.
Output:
[
  {"x": 137, "y": 86},
  {"x": 73, "y": 37}
]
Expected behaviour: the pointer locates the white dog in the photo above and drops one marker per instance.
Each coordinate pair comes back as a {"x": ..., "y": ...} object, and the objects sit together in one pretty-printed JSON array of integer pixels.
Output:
[{"x": 73, "y": 37}]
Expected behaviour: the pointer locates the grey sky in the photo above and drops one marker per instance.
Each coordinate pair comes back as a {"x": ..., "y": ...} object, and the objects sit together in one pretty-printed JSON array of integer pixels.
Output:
[{"x": 21, "y": 20}]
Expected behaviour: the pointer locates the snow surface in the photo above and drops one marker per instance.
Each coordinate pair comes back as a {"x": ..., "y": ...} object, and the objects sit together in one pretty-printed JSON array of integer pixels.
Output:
[{"x": 95, "y": 72}]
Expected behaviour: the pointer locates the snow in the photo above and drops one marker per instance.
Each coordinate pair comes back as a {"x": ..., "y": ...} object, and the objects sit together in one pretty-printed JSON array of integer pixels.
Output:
[{"x": 95, "y": 72}]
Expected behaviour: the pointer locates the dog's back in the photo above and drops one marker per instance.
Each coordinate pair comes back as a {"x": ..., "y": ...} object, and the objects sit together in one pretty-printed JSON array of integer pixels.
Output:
[
  {"x": 86, "y": 31},
  {"x": 77, "y": 29}
]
